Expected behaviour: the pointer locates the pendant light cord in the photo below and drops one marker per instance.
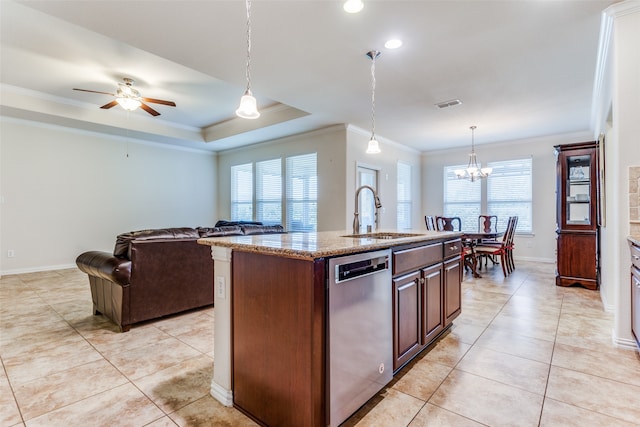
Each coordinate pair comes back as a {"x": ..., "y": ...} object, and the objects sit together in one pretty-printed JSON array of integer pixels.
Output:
[
  {"x": 248, "y": 68},
  {"x": 373, "y": 54}
]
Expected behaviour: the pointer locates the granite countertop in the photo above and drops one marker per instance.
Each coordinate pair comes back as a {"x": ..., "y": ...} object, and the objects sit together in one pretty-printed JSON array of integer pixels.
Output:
[
  {"x": 634, "y": 239},
  {"x": 321, "y": 244}
]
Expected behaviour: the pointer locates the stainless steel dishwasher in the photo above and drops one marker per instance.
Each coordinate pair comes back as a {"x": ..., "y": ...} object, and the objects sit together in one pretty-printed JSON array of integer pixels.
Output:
[{"x": 360, "y": 331}]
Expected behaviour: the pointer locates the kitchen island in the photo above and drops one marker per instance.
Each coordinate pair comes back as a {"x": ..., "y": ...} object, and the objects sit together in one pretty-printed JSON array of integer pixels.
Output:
[{"x": 272, "y": 302}]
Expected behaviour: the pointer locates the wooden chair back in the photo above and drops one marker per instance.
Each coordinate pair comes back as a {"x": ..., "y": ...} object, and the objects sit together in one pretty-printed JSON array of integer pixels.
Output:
[
  {"x": 444, "y": 223},
  {"x": 487, "y": 223},
  {"x": 430, "y": 222}
]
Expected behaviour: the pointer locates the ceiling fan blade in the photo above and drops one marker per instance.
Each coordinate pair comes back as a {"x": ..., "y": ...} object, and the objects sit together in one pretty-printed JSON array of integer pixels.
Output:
[
  {"x": 148, "y": 109},
  {"x": 159, "y": 101},
  {"x": 93, "y": 91},
  {"x": 109, "y": 105}
]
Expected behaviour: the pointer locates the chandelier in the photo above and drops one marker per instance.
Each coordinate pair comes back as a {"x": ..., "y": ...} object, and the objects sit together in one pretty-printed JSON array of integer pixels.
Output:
[
  {"x": 248, "y": 108},
  {"x": 473, "y": 172},
  {"x": 373, "y": 147}
]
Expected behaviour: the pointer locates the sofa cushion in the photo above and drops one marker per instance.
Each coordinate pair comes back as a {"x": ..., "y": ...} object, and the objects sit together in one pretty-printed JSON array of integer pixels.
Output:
[
  {"x": 123, "y": 240},
  {"x": 229, "y": 230},
  {"x": 249, "y": 229},
  {"x": 225, "y": 223}
]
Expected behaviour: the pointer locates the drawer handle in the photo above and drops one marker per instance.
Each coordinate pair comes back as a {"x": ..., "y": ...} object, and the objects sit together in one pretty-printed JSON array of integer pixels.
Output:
[
  {"x": 422, "y": 280},
  {"x": 453, "y": 248},
  {"x": 636, "y": 257}
]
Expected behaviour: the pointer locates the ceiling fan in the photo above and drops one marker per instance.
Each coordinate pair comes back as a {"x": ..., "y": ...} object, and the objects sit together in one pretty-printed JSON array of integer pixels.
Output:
[{"x": 129, "y": 98}]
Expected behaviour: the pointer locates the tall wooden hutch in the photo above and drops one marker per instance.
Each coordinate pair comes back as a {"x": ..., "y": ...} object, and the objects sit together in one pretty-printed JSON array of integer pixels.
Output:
[{"x": 578, "y": 229}]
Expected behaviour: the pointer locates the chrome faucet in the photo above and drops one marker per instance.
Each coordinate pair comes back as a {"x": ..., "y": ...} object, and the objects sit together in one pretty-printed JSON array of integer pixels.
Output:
[{"x": 356, "y": 214}]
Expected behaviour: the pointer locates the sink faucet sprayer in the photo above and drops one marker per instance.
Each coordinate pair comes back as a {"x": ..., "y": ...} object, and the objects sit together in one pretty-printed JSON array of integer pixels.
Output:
[{"x": 356, "y": 214}]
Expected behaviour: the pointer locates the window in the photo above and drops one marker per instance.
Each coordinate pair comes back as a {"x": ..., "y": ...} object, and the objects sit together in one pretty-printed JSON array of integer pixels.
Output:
[
  {"x": 301, "y": 189},
  {"x": 302, "y": 193},
  {"x": 462, "y": 198},
  {"x": 404, "y": 196},
  {"x": 506, "y": 192},
  {"x": 269, "y": 191},
  {"x": 242, "y": 192},
  {"x": 509, "y": 193}
]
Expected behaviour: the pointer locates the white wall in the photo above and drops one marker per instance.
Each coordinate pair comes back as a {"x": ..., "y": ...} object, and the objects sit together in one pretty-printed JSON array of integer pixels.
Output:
[
  {"x": 330, "y": 146},
  {"x": 623, "y": 151},
  {"x": 541, "y": 245},
  {"x": 67, "y": 191}
]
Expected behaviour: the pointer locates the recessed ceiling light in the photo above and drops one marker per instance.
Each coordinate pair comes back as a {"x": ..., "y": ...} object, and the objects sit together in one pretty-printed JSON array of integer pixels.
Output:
[
  {"x": 393, "y": 44},
  {"x": 353, "y": 6}
]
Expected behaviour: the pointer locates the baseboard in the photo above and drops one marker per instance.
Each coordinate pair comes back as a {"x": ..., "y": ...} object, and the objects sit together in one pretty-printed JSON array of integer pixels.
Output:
[
  {"x": 625, "y": 343},
  {"x": 36, "y": 269},
  {"x": 221, "y": 394}
]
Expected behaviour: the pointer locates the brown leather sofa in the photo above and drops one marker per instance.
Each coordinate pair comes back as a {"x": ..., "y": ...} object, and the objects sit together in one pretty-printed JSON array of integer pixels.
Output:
[{"x": 155, "y": 273}]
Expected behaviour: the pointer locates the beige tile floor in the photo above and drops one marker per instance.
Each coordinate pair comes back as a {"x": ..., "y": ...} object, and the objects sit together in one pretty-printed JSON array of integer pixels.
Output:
[{"x": 523, "y": 353}]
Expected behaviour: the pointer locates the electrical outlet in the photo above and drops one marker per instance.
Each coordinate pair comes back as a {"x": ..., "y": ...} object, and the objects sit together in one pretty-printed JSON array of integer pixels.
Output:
[
  {"x": 221, "y": 291},
  {"x": 11, "y": 253}
]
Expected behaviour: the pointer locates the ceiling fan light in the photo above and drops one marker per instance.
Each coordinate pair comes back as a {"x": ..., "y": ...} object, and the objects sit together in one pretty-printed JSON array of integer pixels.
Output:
[
  {"x": 353, "y": 6},
  {"x": 129, "y": 104},
  {"x": 373, "y": 147},
  {"x": 248, "y": 108}
]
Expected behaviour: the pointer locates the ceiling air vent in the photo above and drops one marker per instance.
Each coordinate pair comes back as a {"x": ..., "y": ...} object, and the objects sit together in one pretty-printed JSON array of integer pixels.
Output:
[{"x": 450, "y": 103}]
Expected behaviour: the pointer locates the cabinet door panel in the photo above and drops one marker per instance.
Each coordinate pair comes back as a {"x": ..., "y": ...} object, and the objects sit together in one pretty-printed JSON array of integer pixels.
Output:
[
  {"x": 432, "y": 299},
  {"x": 577, "y": 256},
  {"x": 452, "y": 292},
  {"x": 406, "y": 318}
]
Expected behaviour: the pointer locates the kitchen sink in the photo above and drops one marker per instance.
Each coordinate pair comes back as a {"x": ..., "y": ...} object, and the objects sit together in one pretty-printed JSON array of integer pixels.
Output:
[{"x": 382, "y": 235}]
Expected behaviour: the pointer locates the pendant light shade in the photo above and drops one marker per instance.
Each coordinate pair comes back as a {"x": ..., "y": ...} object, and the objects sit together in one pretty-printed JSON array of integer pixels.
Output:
[
  {"x": 473, "y": 172},
  {"x": 373, "y": 147},
  {"x": 248, "y": 108}
]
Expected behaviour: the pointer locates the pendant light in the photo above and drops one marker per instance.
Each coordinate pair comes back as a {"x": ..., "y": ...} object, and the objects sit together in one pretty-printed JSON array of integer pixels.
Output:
[
  {"x": 473, "y": 172},
  {"x": 373, "y": 147},
  {"x": 248, "y": 108}
]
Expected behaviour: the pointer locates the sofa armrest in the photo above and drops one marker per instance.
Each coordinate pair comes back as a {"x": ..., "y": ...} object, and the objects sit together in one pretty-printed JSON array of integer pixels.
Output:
[{"x": 106, "y": 266}]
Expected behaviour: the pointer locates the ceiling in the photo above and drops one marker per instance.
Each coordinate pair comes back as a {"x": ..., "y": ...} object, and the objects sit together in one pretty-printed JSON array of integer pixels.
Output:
[{"x": 522, "y": 69}]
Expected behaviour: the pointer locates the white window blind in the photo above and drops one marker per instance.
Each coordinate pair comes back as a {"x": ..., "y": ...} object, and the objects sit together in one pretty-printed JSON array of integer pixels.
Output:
[
  {"x": 462, "y": 198},
  {"x": 269, "y": 191},
  {"x": 242, "y": 192},
  {"x": 302, "y": 193},
  {"x": 509, "y": 193},
  {"x": 404, "y": 196}
]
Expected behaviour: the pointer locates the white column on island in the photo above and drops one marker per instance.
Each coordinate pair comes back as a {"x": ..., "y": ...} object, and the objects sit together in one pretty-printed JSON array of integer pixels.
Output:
[{"x": 221, "y": 381}]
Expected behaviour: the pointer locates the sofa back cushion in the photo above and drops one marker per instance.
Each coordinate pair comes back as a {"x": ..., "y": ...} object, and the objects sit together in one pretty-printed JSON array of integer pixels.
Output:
[
  {"x": 123, "y": 241},
  {"x": 229, "y": 230},
  {"x": 248, "y": 229}
]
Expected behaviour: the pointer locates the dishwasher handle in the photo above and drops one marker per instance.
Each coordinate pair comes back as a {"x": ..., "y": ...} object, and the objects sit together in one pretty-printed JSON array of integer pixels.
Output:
[{"x": 353, "y": 270}]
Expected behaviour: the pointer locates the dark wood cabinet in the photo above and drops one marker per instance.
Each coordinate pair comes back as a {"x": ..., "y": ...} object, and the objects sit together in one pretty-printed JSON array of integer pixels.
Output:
[
  {"x": 426, "y": 296},
  {"x": 406, "y": 314},
  {"x": 577, "y": 204}
]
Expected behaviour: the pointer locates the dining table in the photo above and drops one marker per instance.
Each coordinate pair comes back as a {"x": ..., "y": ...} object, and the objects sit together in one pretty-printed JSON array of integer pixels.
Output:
[{"x": 470, "y": 240}]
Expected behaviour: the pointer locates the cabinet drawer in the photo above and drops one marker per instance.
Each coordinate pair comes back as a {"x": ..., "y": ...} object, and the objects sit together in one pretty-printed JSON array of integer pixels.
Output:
[
  {"x": 635, "y": 256},
  {"x": 452, "y": 248},
  {"x": 414, "y": 258}
]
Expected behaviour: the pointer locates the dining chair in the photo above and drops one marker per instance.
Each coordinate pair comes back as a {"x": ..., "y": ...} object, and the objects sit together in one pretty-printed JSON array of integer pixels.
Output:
[
  {"x": 488, "y": 224},
  {"x": 444, "y": 223},
  {"x": 504, "y": 249},
  {"x": 430, "y": 222}
]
